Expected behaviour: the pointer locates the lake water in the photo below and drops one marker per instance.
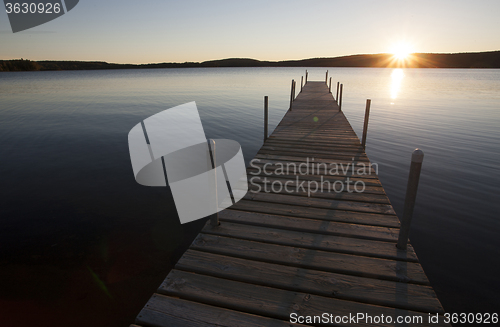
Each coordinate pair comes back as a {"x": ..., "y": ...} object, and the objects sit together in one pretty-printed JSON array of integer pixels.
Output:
[{"x": 83, "y": 244}]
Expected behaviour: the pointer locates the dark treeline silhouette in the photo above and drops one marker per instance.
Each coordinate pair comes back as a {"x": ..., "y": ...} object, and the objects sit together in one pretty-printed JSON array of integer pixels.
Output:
[
  {"x": 489, "y": 59},
  {"x": 18, "y": 65}
]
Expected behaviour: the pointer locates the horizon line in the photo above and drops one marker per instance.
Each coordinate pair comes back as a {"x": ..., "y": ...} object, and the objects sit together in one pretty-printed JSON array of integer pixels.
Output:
[{"x": 260, "y": 60}]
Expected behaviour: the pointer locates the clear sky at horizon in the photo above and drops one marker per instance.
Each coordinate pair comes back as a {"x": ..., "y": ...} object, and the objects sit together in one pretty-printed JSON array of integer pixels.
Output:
[{"x": 177, "y": 31}]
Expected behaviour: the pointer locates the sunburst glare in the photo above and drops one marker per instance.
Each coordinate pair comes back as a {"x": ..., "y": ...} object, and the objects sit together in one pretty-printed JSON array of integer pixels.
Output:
[{"x": 402, "y": 50}]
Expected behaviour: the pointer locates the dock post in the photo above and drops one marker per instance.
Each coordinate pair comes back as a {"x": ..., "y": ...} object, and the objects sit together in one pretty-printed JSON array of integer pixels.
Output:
[
  {"x": 337, "y": 97},
  {"x": 291, "y": 95},
  {"x": 411, "y": 194},
  {"x": 365, "y": 126},
  {"x": 301, "y": 83},
  {"x": 306, "y": 75},
  {"x": 330, "y": 86},
  {"x": 214, "y": 220},
  {"x": 294, "y": 84},
  {"x": 340, "y": 96},
  {"x": 266, "y": 117},
  {"x": 326, "y": 78}
]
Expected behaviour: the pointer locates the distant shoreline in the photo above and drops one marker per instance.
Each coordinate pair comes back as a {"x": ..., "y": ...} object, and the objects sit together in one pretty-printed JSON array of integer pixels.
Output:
[{"x": 490, "y": 59}]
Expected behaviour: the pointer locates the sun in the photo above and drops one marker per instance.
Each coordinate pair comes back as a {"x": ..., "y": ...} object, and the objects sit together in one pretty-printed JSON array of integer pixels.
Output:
[{"x": 402, "y": 50}]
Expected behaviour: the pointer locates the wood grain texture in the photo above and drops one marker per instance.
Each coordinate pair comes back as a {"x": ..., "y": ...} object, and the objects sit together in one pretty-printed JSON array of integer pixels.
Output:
[
  {"x": 319, "y": 178},
  {"x": 305, "y": 201},
  {"x": 394, "y": 270},
  {"x": 367, "y": 290},
  {"x": 267, "y": 301},
  {"x": 177, "y": 312},
  {"x": 311, "y": 168},
  {"x": 258, "y": 185},
  {"x": 360, "y": 218},
  {"x": 311, "y": 238},
  {"x": 298, "y": 184}
]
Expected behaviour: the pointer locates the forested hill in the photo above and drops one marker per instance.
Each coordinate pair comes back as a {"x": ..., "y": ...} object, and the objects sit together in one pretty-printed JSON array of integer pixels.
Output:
[{"x": 418, "y": 60}]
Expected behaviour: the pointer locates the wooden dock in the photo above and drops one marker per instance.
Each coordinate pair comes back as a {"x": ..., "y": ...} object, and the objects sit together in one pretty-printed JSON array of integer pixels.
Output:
[{"x": 285, "y": 253}]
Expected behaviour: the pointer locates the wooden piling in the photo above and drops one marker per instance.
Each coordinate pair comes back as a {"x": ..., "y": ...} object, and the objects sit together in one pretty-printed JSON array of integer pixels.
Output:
[
  {"x": 340, "y": 96},
  {"x": 214, "y": 219},
  {"x": 337, "y": 96},
  {"x": 291, "y": 95},
  {"x": 365, "y": 125},
  {"x": 301, "y": 83},
  {"x": 411, "y": 195},
  {"x": 330, "y": 86},
  {"x": 266, "y": 117}
]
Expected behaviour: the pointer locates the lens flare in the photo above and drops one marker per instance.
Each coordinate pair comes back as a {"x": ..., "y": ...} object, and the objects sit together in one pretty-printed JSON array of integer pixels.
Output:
[{"x": 402, "y": 50}]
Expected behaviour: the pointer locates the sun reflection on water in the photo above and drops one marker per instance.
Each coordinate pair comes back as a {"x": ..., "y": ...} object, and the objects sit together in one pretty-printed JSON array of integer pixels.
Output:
[{"x": 397, "y": 78}]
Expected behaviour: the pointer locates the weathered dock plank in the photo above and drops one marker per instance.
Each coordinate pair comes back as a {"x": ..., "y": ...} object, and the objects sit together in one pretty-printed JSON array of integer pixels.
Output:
[
  {"x": 268, "y": 301},
  {"x": 282, "y": 252},
  {"x": 394, "y": 270},
  {"x": 322, "y": 283},
  {"x": 174, "y": 312},
  {"x": 310, "y": 236}
]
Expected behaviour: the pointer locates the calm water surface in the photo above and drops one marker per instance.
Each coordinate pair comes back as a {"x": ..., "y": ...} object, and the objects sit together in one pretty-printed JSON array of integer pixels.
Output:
[{"x": 81, "y": 243}]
